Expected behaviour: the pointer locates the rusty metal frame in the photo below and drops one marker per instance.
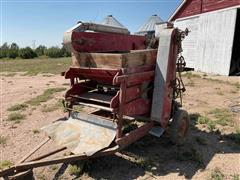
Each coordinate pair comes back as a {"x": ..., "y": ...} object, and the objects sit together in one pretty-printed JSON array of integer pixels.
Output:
[{"x": 122, "y": 78}]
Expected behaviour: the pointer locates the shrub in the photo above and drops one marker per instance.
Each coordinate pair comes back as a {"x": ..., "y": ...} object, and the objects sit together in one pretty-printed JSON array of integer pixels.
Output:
[
  {"x": 13, "y": 51},
  {"x": 65, "y": 52},
  {"x": 4, "y": 50},
  {"x": 27, "y": 53},
  {"x": 54, "y": 52},
  {"x": 40, "y": 50},
  {"x": 15, "y": 117},
  {"x": 17, "y": 107}
]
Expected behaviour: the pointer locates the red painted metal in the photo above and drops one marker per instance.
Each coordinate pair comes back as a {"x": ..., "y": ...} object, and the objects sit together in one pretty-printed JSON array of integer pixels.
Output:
[
  {"x": 96, "y": 74},
  {"x": 137, "y": 107},
  {"x": 194, "y": 7},
  {"x": 134, "y": 135},
  {"x": 133, "y": 79},
  {"x": 96, "y": 42},
  {"x": 133, "y": 93}
]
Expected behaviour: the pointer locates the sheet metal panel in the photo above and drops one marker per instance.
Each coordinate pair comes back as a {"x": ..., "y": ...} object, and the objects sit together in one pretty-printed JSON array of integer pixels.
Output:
[
  {"x": 160, "y": 104},
  {"x": 82, "y": 133}
]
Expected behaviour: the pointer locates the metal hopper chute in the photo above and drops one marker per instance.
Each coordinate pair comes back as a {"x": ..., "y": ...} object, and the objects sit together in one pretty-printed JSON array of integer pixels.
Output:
[{"x": 82, "y": 133}]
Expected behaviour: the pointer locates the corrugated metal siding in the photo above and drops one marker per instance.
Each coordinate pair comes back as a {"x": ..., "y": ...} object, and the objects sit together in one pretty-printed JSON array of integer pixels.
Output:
[
  {"x": 215, "y": 41},
  {"x": 149, "y": 25},
  {"x": 111, "y": 21},
  {"x": 194, "y": 7},
  {"x": 190, "y": 42}
]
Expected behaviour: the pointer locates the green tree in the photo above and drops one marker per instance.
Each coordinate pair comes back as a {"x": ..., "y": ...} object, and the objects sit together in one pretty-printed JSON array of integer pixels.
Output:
[
  {"x": 13, "y": 51},
  {"x": 40, "y": 50},
  {"x": 27, "y": 53},
  {"x": 54, "y": 52},
  {"x": 4, "y": 50},
  {"x": 65, "y": 52}
]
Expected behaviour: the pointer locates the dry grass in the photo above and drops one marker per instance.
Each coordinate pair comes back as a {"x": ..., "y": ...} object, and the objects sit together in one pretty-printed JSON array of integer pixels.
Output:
[
  {"x": 18, "y": 107},
  {"x": 35, "y": 66},
  {"x": 47, "y": 95},
  {"x": 16, "y": 117},
  {"x": 3, "y": 140},
  {"x": 217, "y": 174},
  {"x": 5, "y": 164},
  {"x": 35, "y": 131}
]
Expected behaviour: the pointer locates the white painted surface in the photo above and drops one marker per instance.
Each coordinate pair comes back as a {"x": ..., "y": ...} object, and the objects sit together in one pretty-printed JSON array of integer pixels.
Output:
[
  {"x": 208, "y": 48},
  {"x": 190, "y": 42},
  {"x": 215, "y": 42}
]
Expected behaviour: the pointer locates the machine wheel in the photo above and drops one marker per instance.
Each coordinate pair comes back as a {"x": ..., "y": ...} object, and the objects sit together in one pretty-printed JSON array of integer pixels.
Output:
[{"x": 179, "y": 127}]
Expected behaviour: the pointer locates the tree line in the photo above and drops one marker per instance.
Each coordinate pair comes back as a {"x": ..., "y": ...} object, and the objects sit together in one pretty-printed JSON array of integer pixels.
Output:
[{"x": 13, "y": 51}]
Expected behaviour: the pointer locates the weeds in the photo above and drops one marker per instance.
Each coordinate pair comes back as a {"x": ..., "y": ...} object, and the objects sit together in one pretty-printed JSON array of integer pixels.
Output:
[
  {"x": 74, "y": 170},
  {"x": 235, "y": 177},
  {"x": 5, "y": 164},
  {"x": 203, "y": 120},
  {"x": 145, "y": 163},
  {"x": 53, "y": 107},
  {"x": 217, "y": 174},
  {"x": 3, "y": 140},
  {"x": 35, "y": 131},
  {"x": 41, "y": 177},
  {"x": 206, "y": 121},
  {"x": 223, "y": 116},
  {"x": 47, "y": 94},
  {"x": 18, "y": 107},
  {"x": 16, "y": 117}
]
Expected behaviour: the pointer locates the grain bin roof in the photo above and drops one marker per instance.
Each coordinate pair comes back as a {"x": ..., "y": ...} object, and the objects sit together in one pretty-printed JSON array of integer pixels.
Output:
[
  {"x": 149, "y": 25},
  {"x": 111, "y": 21}
]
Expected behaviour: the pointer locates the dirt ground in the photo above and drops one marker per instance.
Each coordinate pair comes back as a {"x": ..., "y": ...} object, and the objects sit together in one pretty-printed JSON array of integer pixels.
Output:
[{"x": 208, "y": 153}]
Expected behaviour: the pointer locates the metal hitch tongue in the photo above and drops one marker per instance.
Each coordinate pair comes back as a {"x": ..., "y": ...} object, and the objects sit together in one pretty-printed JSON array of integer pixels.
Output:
[{"x": 82, "y": 133}]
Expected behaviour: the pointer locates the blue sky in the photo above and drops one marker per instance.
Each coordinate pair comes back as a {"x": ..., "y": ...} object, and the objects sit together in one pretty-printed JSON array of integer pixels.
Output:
[{"x": 45, "y": 21}]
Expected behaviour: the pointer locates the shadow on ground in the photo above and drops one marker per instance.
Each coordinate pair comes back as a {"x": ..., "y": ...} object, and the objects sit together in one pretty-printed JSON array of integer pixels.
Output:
[{"x": 158, "y": 157}]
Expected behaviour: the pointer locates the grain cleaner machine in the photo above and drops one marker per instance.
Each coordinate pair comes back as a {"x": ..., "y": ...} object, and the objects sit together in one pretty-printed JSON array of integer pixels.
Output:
[{"x": 117, "y": 78}]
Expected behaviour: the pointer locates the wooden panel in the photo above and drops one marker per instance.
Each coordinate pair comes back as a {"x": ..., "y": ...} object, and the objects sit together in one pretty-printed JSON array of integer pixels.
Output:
[
  {"x": 139, "y": 58},
  {"x": 215, "y": 41},
  {"x": 96, "y": 60},
  {"x": 108, "y": 60},
  {"x": 189, "y": 44},
  {"x": 194, "y": 7},
  {"x": 191, "y": 7},
  {"x": 212, "y": 5}
]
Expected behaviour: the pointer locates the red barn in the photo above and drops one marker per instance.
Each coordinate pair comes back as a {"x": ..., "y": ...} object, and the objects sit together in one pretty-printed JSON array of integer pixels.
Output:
[{"x": 213, "y": 45}]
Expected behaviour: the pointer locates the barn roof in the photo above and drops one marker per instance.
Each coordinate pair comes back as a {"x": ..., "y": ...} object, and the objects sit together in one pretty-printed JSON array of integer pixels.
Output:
[
  {"x": 111, "y": 21},
  {"x": 194, "y": 7},
  {"x": 176, "y": 10},
  {"x": 149, "y": 25}
]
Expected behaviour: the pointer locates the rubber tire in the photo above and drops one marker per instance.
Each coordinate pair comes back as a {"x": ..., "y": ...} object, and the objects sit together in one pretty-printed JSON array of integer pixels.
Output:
[{"x": 178, "y": 117}]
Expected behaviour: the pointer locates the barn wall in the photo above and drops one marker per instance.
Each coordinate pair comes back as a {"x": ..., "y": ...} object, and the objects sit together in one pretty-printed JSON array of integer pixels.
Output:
[
  {"x": 194, "y": 7},
  {"x": 215, "y": 42},
  {"x": 189, "y": 44}
]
